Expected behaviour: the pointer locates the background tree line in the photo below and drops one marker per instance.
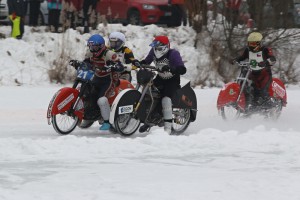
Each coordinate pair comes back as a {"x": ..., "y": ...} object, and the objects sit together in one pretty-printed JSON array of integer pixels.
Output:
[{"x": 228, "y": 22}]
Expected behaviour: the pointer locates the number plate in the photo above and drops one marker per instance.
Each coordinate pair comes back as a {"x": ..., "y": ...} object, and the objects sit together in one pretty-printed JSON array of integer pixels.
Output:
[{"x": 125, "y": 109}]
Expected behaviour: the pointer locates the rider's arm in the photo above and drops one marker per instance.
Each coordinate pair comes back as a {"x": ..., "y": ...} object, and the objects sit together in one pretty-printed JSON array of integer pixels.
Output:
[
  {"x": 244, "y": 56},
  {"x": 112, "y": 58},
  {"x": 128, "y": 55},
  {"x": 149, "y": 58},
  {"x": 269, "y": 56},
  {"x": 176, "y": 63}
]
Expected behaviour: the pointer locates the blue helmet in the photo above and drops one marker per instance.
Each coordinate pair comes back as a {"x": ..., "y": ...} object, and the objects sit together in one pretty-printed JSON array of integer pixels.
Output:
[{"x": 96, "y": 43}]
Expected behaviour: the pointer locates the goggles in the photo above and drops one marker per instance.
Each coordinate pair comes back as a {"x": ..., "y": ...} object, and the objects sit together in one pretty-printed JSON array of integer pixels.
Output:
[
  {"x": 159, "y": 48},
  {"x": 253, "y": 44},
  {"x": 115, "y": 43},
  {"x": 95, "y": 48}
]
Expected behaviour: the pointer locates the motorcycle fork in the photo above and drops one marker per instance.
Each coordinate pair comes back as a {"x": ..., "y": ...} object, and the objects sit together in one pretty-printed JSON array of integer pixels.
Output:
[
  {"x": 81, "y": 92},
  {"x": 244, "y": 81}
]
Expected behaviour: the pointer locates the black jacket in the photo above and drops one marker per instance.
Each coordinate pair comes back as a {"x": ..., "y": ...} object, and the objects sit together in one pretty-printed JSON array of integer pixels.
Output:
[{"x": 17, "y": 6}]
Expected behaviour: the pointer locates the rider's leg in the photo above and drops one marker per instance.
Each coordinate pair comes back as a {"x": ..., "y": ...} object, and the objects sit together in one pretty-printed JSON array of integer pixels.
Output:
[
  {"x": 105, "y": 111},
  {"x": 167, "y": 113}
]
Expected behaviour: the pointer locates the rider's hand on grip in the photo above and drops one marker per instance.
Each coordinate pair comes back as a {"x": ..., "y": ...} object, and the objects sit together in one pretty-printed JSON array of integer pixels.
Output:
[
  {"x": 262, "y": 64},
  {"x": 233, "y": 61},
  {"x": 117, "y": 68},
  {"x": 136, "y": 64},
  {"x": 165, "y": 68},
  {"x": 75, "y": 63}
]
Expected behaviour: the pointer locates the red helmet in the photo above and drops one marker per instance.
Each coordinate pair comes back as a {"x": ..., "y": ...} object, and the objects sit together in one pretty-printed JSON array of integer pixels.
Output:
[{"x": 160, "y": 45}]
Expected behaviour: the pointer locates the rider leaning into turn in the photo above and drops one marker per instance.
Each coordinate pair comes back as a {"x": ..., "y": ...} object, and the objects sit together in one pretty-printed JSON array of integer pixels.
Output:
[
  {"x": 104, "y": 80},
  {"x": 170, "y": 66},
  {"x": 261, "y": 59},
  {"x": 117, "y": 44}
]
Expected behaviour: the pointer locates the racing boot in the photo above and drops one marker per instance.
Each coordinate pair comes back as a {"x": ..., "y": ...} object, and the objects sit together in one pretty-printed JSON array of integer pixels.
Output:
[
  {"x": 105, "y": 126},
  {"x": 166, "y": 103},
  {"x": 144, "y": 128},
  {"x": 168, "y": 126}
]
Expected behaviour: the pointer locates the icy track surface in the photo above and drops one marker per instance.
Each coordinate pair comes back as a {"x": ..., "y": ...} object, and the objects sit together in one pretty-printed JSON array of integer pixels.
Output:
[{"x": 253, "y": 159}]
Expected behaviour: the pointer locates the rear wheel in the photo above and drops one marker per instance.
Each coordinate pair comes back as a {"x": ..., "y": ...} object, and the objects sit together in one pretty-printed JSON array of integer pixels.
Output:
[
  {"x": 230, "y": 112},
  {"x": 275, "y": 112},
  {"x": 64, "y": 123},
  {"x": 181, "y": 120}
]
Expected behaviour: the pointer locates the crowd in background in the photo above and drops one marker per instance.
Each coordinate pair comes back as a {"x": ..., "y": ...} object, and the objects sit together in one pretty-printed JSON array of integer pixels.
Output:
[{"x": 63, "y": 12}]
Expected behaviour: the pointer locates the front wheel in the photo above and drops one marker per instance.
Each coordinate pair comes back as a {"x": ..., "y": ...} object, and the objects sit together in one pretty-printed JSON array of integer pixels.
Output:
[
  {"x": 230, "y": 112},
  {"x": 127, "y": 124},
  {"x": 64, "y": 123},
  {"x": 181, "y": 120}
]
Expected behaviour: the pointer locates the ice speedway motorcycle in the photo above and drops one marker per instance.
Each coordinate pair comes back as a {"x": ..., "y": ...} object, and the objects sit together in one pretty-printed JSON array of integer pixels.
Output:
[
  {"x": 143, "y": 105},
  {"x": 71, "y": 105},
  {"x": 234, "y": 98}
]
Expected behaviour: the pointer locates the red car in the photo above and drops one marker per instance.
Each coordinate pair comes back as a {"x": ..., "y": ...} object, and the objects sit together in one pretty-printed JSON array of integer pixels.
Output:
[{"x": 139, "y": 12}]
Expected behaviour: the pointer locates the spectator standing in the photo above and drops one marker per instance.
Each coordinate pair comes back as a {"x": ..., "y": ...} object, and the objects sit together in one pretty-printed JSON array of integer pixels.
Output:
[
  {"x": 34, "y": 10},
  {"x": 54, "y": 7},
  {"x": 70, "y": 10},
  {"x": 89, "y": 12},
  {"x": 17, "y": 11},
  {"x": 233, "y": 7}
]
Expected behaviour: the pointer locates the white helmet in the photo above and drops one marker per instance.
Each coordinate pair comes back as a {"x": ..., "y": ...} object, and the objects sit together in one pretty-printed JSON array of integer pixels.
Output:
[{"x": 116, "y": 40}]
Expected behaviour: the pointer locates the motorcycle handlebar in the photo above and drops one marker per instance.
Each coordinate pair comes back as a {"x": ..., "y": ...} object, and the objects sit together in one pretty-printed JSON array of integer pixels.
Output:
[
  {"x": 242, "y": 64},
  {"x": 148, "y": 67}
]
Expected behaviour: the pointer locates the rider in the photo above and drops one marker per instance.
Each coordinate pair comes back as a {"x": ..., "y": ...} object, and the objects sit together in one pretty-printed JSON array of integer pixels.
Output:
[
  {"x": 105, "y": 79},
  {"x": 261, "y": 59},
  {"x": 117, "y": 44},
  {"x": 170, "y": 66}
]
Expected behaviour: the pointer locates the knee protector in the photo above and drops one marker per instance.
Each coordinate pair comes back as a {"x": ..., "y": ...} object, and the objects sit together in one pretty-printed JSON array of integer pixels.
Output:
[
  {"x": 104, "y": 107},
  {"x": 166, "y": 103}
]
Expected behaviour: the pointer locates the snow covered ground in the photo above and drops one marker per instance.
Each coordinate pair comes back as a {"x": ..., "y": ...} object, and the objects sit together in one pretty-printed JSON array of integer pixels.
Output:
[{"x": 213, "y": 160}]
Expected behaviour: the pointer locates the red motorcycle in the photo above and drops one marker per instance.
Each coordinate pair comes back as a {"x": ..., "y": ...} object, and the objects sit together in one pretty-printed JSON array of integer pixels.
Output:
[
  {"x": 234, "y": 99},
  {"x": 71, "y": 105}
]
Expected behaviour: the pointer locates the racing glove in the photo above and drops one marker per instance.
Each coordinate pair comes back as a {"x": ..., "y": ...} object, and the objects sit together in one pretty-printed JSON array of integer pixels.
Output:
[
  {"x": 118, "y": 67},
  {"x": 75, "y": 63},
  {"x": 232, "y": 61},
  {"x": 262, "y": 64},
  {"x": 136, "y": 63},
  {"x": 165, "y": 68}
]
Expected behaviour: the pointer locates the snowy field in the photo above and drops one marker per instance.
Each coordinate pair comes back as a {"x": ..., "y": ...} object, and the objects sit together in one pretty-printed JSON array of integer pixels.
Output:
[{"x": 213, "y": 160}]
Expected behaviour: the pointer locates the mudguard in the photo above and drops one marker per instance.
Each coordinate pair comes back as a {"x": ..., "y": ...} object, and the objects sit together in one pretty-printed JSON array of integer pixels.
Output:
[
  {"x": 229, "y": 94},
  {"x": 278, "y": 91},
  {"x": 123, "y": 103},
  {"x": 62, "y": 101},
  {"x": 185, "y": 97},
  {"x": 124, "y": 84}
]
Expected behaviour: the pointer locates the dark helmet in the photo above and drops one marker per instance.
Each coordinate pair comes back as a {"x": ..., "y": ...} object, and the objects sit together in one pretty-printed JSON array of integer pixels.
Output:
[{"x": 96, "y": 44}]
